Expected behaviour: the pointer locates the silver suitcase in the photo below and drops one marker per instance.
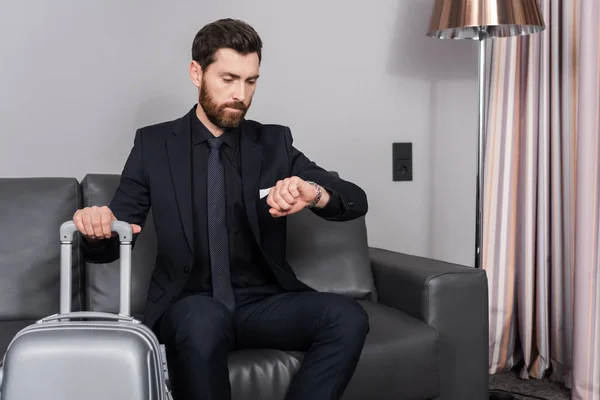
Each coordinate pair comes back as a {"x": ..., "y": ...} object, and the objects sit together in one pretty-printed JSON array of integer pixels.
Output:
[{"x": 86, "y": 355}]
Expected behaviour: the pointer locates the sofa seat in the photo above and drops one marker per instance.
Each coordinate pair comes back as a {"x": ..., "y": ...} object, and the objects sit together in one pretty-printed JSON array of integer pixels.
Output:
[
  {"x": 400, "y": 355},
  {"x": 262, "y": 373}
]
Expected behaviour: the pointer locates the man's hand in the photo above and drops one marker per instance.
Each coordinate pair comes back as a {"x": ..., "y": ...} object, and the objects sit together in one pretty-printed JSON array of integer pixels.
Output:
[
  {"x": 94, "y": 223},
  {"x": 292, "y": 195}
]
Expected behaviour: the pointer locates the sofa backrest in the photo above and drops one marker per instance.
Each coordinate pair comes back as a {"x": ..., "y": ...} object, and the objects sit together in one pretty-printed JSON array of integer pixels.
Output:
[
  {"x": 31, "y": 212},
  {"x": 328, "y": 256}
]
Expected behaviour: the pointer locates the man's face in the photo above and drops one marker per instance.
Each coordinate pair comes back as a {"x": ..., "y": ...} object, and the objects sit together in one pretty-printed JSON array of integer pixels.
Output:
[{"x": 227, "y": 87}]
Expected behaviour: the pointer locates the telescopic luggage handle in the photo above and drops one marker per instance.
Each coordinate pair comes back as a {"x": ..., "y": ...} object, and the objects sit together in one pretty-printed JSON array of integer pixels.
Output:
[{"x": 67, "y": 231}]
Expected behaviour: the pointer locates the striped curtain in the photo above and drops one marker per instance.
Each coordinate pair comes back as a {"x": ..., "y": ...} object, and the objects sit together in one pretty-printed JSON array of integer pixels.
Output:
[{"x": 541, "y": 229}]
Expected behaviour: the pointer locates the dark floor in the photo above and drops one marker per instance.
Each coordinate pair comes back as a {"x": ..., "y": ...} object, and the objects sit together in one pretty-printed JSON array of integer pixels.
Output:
[{"x": 528, "y": 388}]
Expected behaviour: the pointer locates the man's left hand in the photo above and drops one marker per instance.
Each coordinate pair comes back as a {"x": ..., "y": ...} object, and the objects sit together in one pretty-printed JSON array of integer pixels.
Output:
[{"x": 292, "y": 195}]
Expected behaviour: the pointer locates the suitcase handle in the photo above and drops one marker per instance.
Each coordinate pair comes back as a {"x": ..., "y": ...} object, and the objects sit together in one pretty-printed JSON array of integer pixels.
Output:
[
  {"x": 68, "y": 229},
  {"x": 88, "y": 315},
  {"x": 125, "y": 232}
]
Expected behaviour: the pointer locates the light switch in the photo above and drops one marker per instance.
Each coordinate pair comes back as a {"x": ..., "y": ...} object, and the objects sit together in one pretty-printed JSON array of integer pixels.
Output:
[{"x": 402, "y": 162}]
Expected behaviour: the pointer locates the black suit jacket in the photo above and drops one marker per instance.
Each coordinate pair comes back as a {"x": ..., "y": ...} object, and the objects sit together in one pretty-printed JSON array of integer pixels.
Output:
[{"x": 157, "y": 173}]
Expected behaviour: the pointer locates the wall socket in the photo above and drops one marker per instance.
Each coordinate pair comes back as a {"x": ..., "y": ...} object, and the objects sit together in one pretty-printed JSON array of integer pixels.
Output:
[{"x": 402, "y": 162}]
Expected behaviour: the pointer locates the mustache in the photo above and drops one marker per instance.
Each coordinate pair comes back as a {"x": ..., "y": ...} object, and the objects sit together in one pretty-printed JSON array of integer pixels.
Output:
[{"x": 236, "y": 106}]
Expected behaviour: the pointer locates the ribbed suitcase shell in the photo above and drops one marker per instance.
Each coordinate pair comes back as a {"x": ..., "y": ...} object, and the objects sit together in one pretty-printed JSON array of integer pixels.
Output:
[
  {"x": 84, "y": 360},
  {"x": 87, "y": 355}
]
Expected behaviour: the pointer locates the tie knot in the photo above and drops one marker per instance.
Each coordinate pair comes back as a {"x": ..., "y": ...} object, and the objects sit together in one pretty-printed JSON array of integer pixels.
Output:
[{"x": 215, "y": 143}]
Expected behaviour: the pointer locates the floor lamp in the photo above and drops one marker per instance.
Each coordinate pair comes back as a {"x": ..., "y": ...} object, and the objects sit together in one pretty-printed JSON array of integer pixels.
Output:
[{"x": 481, "y": 20}]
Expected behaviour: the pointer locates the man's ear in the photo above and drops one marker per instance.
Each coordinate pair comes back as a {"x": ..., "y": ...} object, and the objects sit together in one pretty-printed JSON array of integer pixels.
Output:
[{"x": 196, "y": 74}]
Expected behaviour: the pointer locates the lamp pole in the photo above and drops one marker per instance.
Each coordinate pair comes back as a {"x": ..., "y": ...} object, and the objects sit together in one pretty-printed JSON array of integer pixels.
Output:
[{"x": 480, "y": 150}]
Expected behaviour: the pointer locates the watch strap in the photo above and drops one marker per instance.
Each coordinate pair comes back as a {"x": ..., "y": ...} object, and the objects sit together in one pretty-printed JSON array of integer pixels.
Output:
[{"x": 317, "y": 197}]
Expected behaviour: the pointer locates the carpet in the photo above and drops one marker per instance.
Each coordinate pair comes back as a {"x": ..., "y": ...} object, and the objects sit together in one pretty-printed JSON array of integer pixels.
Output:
[{"x": 528, "y": 389}]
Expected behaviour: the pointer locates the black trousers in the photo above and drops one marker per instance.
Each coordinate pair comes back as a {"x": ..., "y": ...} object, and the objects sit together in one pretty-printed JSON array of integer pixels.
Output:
[{"x": 199, "y": 332}]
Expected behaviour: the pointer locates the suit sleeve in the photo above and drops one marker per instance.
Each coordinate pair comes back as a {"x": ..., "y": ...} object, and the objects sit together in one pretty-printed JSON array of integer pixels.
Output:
[
  {"x": 131, "y": 203},
  {"x": 347, "y": 202}
]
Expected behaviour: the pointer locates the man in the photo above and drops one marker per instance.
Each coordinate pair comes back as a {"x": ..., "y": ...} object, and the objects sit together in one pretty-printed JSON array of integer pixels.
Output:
[{"x": 221, "y": 280}]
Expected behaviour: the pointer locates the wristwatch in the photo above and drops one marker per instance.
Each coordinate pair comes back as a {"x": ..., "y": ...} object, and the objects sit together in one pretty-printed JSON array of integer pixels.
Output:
[{"x": 317, "y": 197}]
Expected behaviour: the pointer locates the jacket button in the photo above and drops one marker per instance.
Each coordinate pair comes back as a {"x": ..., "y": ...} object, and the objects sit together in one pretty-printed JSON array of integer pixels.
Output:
[
  {"x": 171, "y": 299},
  {"x": 186, "y": 269}
]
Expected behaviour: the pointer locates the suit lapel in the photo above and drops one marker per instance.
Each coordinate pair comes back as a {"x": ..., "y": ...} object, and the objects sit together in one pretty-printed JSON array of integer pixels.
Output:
[
  {"x": 251, "y": 160},
  {"x": 179, "y": 151}
]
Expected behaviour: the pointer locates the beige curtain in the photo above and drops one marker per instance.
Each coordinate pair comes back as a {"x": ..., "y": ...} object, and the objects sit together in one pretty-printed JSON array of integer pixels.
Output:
[{"x": 541, "y": 199}]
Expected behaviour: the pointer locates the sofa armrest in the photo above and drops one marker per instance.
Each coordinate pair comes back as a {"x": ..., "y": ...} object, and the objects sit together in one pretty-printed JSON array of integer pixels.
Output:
[{"x": 451, "y": 298}]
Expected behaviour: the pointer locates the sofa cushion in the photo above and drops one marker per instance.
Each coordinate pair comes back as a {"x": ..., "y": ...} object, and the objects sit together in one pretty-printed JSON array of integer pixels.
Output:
[
  {"x": 262, "y": 374},
  {"x": 400, "y": 355},
  {"x": 330, "y": 256},
  {"x": 32, "y": 211},
  {"x": 102, "y": 280}
]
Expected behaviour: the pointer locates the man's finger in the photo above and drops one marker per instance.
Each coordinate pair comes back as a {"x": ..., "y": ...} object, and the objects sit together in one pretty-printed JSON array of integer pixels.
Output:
[
  {"x": 78, "y": 220},
  {"x": 106, "y": 223},
  {"x": 97, "y": 223},
  {"x": 270, "y": 201},
  {"x": 283, "y": 205},
  {"x": 277, "y": 214},
  {"x": 87, "y": 222},
  {"x": 285, "y": 192},
  {"x": 293, "y": 188},
  {"x": 273, "y": 193}
]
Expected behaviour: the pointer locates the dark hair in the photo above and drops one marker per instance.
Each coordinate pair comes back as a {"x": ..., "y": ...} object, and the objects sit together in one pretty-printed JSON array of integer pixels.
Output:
[{"x": 225, "y": 33}]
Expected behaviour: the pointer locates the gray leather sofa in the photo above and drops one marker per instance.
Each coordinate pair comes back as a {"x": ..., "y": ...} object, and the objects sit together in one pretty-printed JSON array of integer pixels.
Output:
[{"x": 429, "y": 319}]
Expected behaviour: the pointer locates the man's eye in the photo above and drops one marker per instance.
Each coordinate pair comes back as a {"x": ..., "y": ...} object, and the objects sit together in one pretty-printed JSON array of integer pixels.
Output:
[
  {"x": 228, "y": 79},
  {"x": 252, "y": 82}
]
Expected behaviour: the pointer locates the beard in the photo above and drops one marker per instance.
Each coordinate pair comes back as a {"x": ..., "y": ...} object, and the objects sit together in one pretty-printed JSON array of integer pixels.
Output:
[{"x": 219, "y": 115}]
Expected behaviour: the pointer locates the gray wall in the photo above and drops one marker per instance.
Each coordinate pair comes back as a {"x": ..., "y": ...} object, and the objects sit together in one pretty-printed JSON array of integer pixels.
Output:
[{"x": 349, "y": 77}]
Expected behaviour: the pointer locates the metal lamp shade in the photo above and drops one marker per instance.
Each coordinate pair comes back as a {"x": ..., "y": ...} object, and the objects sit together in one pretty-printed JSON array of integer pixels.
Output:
[{"x": 482, "y": 19}]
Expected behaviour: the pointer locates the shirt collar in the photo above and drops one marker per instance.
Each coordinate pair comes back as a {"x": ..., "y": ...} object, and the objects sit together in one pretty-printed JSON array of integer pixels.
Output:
[{"x": 200, "y": 133}]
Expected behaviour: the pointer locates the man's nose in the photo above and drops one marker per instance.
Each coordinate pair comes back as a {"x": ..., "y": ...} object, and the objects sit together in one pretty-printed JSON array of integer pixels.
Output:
[{"x": 240, "y": 92}]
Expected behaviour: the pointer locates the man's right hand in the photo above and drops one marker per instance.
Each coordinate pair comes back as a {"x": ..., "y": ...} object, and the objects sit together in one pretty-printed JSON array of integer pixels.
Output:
[{"x": 94, "y": 223}]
